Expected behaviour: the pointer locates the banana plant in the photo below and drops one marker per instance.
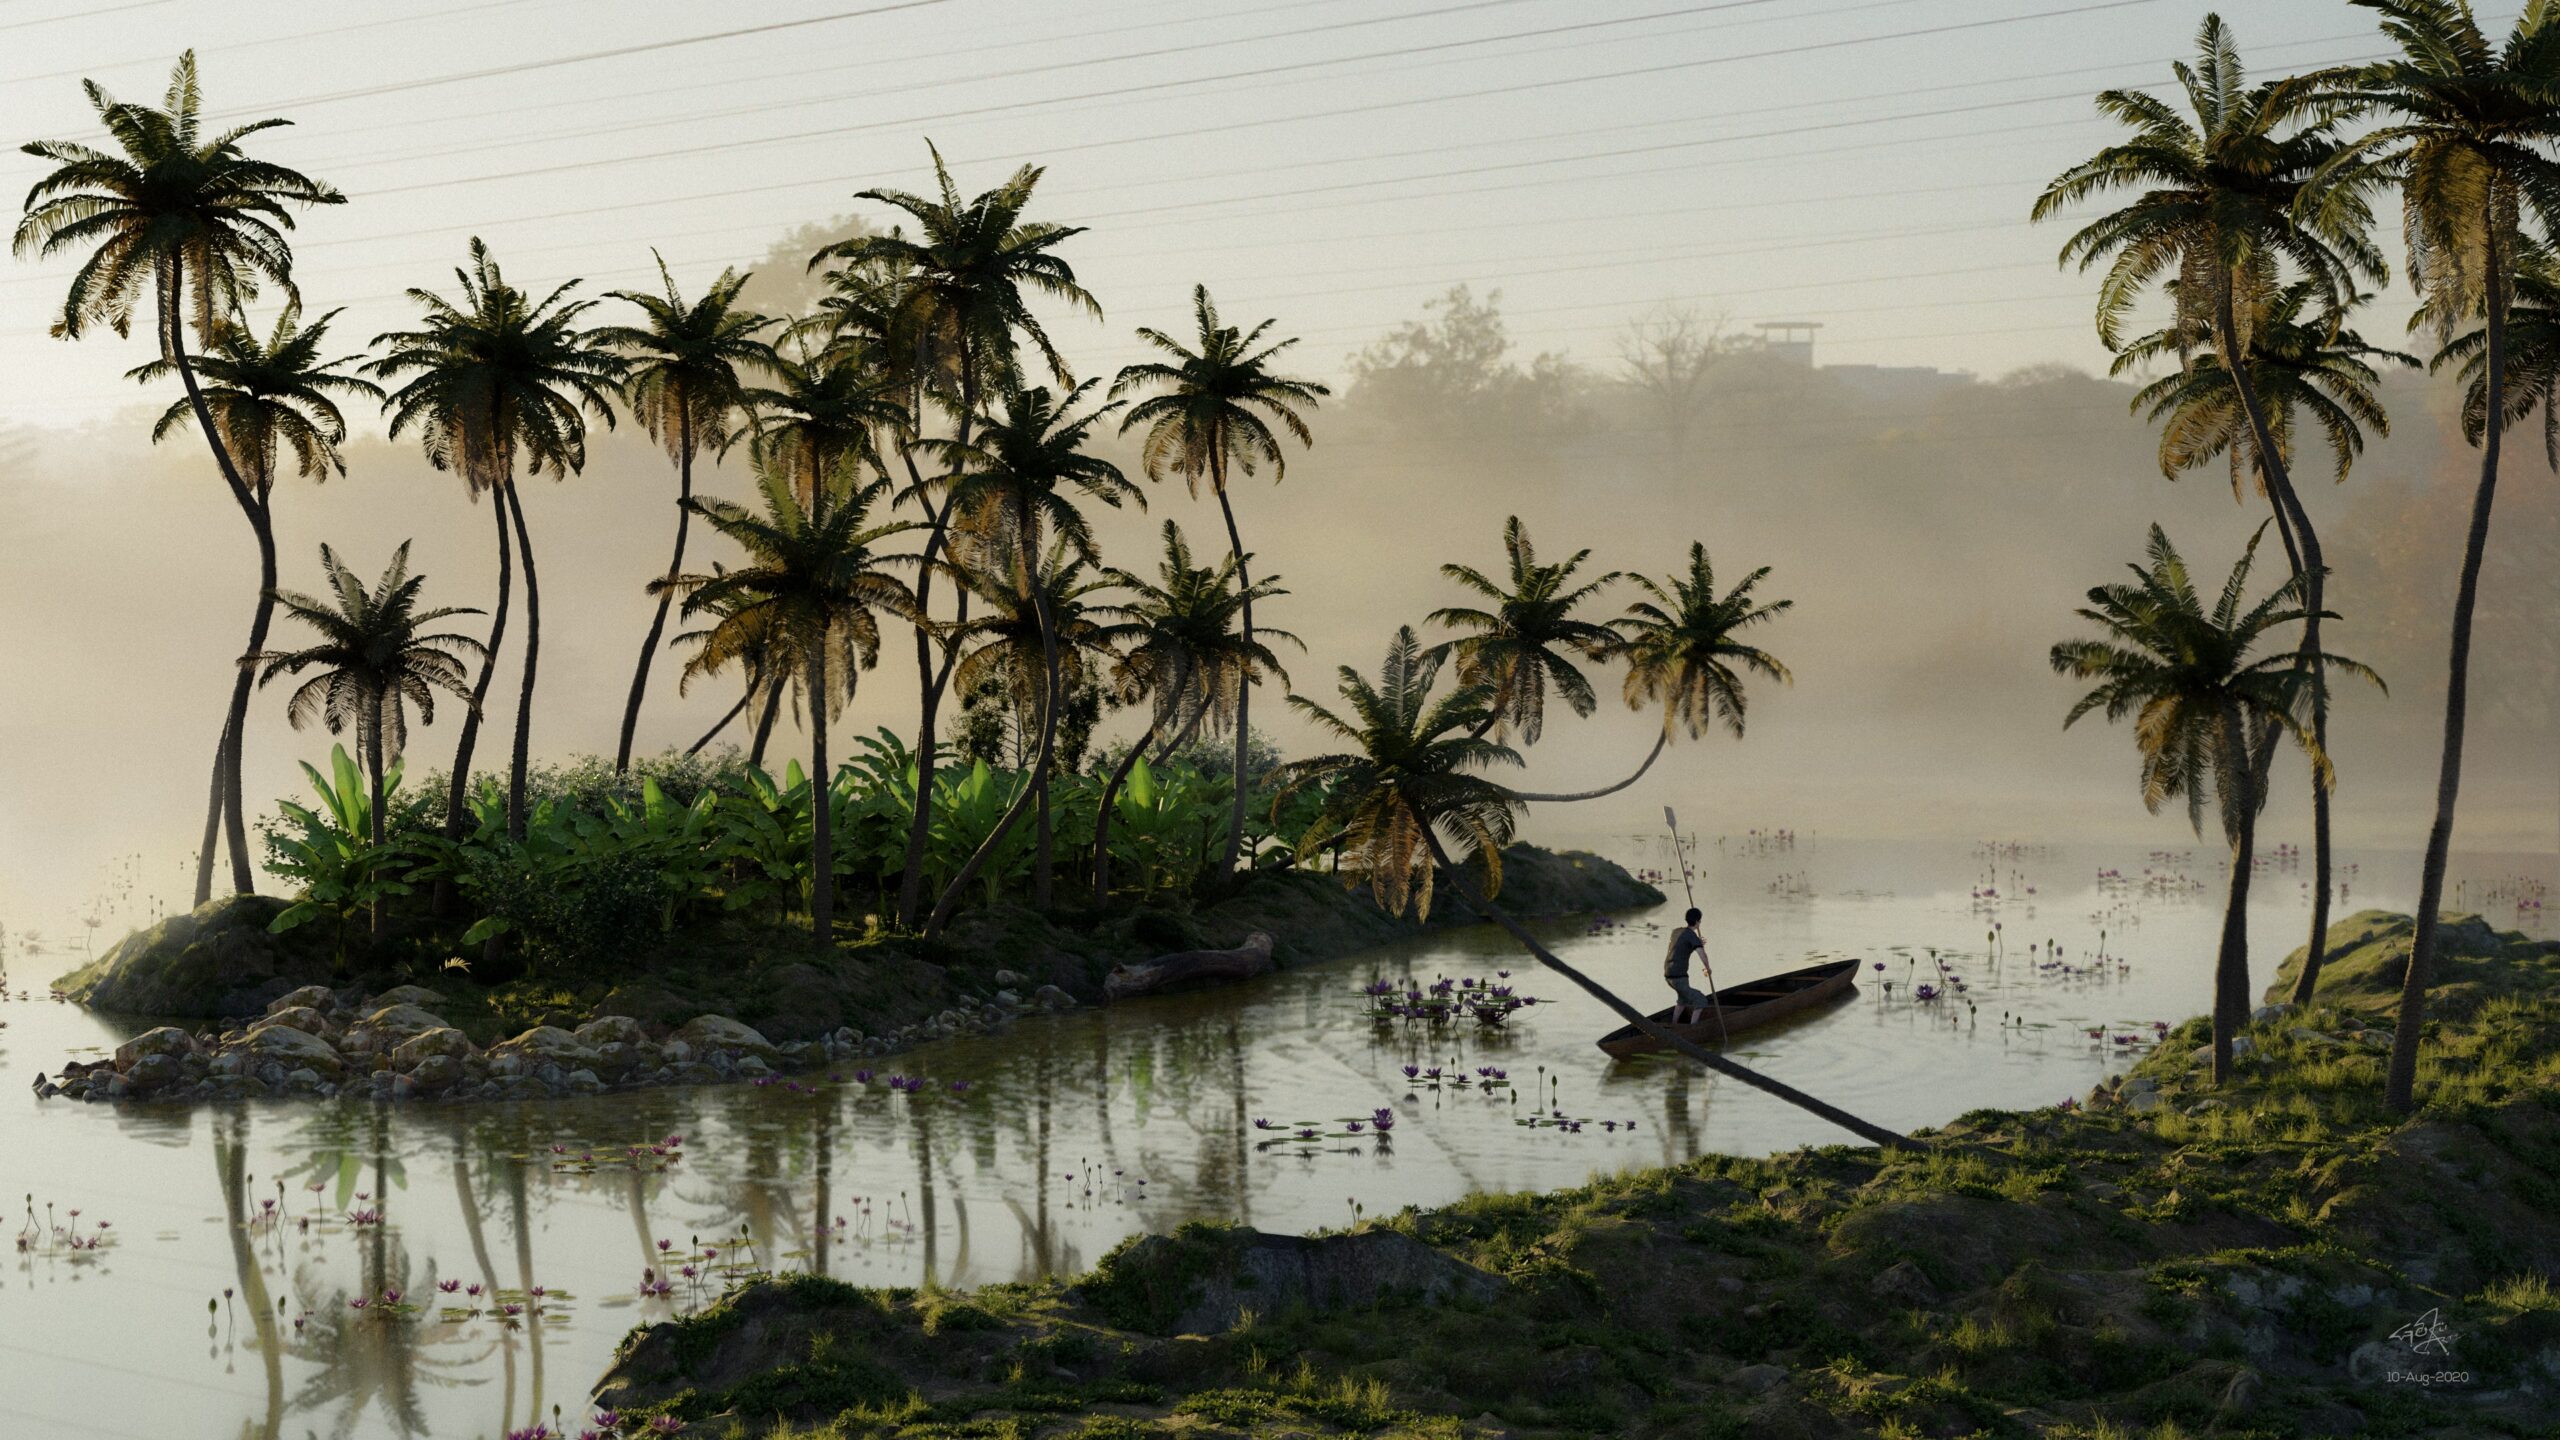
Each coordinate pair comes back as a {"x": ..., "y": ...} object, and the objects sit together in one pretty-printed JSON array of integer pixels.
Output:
[
  {"x": 327, "y": 853},
  {"x": 1167, "y": 826}
]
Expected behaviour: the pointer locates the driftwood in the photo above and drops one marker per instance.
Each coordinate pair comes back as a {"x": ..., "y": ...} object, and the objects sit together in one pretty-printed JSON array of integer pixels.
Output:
[{"x": 1190, "y": 967}]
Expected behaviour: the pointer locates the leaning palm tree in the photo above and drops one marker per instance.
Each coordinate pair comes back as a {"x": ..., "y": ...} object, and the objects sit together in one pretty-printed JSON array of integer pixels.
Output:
[
  {"x": 1023, "y": 474},
  {"x": 2307, "y": 365},
  {"x": 1212, "y": 416},
  {"x": 941, "y": 309},
  {"x": 2205, "y": 700},
  {"x": 194, "y": 218},
  {"x": 1684, "y": 652},
  {"x": 766, "y": 667},
  {"x": 2468, "y": 138},
  {"x": 2222, "y": 209},
  {"x": 684, "y": 388},
  {"x": 1530, "y": 639},
  {"x": 376, "y": 656},
  {"x": 1406, "y": 777},
  {"x": 814, "y": 581},
  {"x": 269, "y": 398},
  {"x": 498, "y": 382},
  {"x": 1183, "y": 652}
]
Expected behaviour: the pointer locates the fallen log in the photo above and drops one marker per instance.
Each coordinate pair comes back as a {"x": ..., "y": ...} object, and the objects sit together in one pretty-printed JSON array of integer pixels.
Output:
[{"x": 1190, "y": 967}]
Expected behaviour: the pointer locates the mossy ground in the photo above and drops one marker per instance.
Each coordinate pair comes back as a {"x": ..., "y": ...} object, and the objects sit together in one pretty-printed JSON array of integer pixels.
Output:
[{"x": 2229, "y": 1264}]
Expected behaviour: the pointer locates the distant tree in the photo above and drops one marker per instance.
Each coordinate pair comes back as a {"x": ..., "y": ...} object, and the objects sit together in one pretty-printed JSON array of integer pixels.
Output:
[
  {"x": 1668, "y": 357},
  {"x": 1451, "y": 371}
]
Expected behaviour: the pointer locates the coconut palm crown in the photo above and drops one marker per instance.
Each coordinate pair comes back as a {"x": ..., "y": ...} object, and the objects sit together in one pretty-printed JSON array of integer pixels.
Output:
[
  {"x": 1529, "y": 639},
  {"x": 270, "y": 396}
]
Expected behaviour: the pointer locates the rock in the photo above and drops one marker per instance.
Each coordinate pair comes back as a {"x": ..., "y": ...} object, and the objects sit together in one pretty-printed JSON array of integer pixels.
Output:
[
  {"x": 584, "y": 1082},
  {"x": 753, "y": 1068},
  {"x": 166, "y": 1041},
  {"x": 615, "y": 1059},
  {"x": 2268, "y": 1015},
  {"x": 611, "y": 1030},
  {"x": 676, "y": 1052},
  {"x": 2378, "y": 1039},
  {"x": 1050, "y": 997},
  {"x": 1202, "y": 1279},
  {"x": 1904, "y": 1281},
  {"x": 152, "y": 1072},
  {"x": 798, "y": 1054},
  {"x": 2143, "y": 1102},
  {"x": 218, "y": 960},
  {"x": 284, "y": 1045},
  {"x": 1188, "y": 969},
  {"x": 304, "y": 1018},
  {"x": 2242, "y": 1047},
  {"x": 1009, "y": 999},
  {"x": 304, "y": 1078},
  {"x": 1009, "y": 978},
  {"x": 546, "y": 1044},
  {"x": 399, "y": 1022},
  {"x": 309, "y": 997},
  {"x": 417, "y": 995},
  {"x": 445, "y": 1042},
  {"x": 435, "y": 1072},
  {"x": 719, "y": 1032},
  {"x": 1757, "y": 1379}
]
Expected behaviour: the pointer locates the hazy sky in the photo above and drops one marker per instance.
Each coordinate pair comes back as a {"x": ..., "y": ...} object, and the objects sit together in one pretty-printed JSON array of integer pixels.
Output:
[{"x": 1863, "y": 163}]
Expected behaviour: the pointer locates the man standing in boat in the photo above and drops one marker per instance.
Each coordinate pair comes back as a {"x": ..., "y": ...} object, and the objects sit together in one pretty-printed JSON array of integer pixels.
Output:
[{"x": 1675, "y": 963}]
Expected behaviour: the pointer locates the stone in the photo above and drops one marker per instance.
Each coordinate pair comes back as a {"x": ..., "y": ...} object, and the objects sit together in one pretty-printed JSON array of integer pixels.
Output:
[
  {"x": 304, "y": 1078},
  {"x": 309, "y": 997},
  {"x": 615, "y": 1059},
  {"x": 676, "y": 1052},
  {"x": 719, "y": 1032},
  {"x": 284, "y": 1045},
  {"x": 399, "y": 1022},
  {"x": 166, "y": 1041},
  {"x": 435, "y": 1072},
  {"x": 444, "y": 1041},
  {"x": 753, "y": 1068},
  {"x": 1009, "y": 977},
  {"x": 152, "y": 1072},
  {"x": 2143, "y": 1102},
  {"x": 2242, "y": 1047},
  {"x": 1904, "y": 1281},
  {"x": 1050, "y": 997},
  {"x": 798, "y": 1054},
  {"x": 304, "y": 1018},
  {"x": 2270, "y": 1014},
  {"x": 584, "y": 1082},
  {"x": 1757, "y": 1379},
  {"x": 611, "y": 1030},
  {"x": 547, "y": 1044},
  {"x": 418, "y": 995},
  {"x": 1009, "y": 999}
]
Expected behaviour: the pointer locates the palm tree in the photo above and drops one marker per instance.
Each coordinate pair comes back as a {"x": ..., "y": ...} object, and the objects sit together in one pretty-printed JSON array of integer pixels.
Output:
[
  {"x": 267, "y": 397},
  {"x": 376, "y": 656},
  {"x": 1405, "y": 778},
  {"x": 1212, "y": 416},
  {"x": 684, "y": 387},
  {"x": 941, "y": 310},
  {"x": 1530, "y": 638},
  {"x": 2468, "y": 140},
  {"x": 767, "y": 667},
  {"x": 819, "y": 409},
  {"x": 1185, "y": 653},
  {"x": 2222, "y": 209},
  {"x": 499, "y": 381},
  {"x": 2320, "y": 368},
  {"x": 1684, "y": 652},
  {"x": 813, "y": 582},
  {"x": 2204, "y": 702},
  {"x": 1020, "y": 476},
  {"x": 201, "y": 223}
]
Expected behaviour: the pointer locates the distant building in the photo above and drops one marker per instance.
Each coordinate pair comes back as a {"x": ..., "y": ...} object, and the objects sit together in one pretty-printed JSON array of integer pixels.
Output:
[
  {"x": 1897, "y": 382},
  {"x": 1790, "y": 340}
]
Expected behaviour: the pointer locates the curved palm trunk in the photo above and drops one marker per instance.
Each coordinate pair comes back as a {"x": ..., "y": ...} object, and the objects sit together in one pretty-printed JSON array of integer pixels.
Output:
[
  {"x": 2400, "y": 1084},
  {"x": 764, "y": 723},
  {"x": 532, "y": 658},
  {"x": 666, "y": 598},
  {"x": 822, "y": 851},
  {"x": 2231, "y": 958},
  {"x": 931, "y": 679},
  {"x": 375, "y": 821},
  {"x": 1650, "y": 756},
  {"x": 1102, "y": 821},
  {"x": 977, "y": 861},
  {"x": 212, "y": 820},
  {"x": 459, "y": 787},
  {"x": 723, "y": 722},
  {"x": 1244, "y": 692},
  {"x": 2302, "y": 546},
  {"x": 1486, "y": 909}
]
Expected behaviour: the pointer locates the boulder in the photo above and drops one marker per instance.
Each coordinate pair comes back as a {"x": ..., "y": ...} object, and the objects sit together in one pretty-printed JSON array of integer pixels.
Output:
[
  {"x": 435, "y": 1072},
  {"x": 611, "y": 1030},
  {"x": 309, "y": 997},
  {"x": 400, "y": 1021},
  {"x": 300, "y": 1017},
  {"x": 168, "y": 1040},
  {"x": 1190, "y": 969},
  {"x": 217, "y": 961},
  {"x": 444, "y": 1041},
  {"x": 418, "y": 995},
  {"x": 153, "y": 1072},
  {"x": 290, "y": 1048},
  {"x": 545, "y": 1044},
  {"x": 1201, "y": 1279},
  {"x": 719, "y": 1032}
]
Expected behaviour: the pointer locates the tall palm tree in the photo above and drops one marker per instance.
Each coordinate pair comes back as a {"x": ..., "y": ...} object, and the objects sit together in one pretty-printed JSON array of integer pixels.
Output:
[
  {"x": 1406, "y": 776},
  {"x": 684, "y": 387},
  {"x": 376, "y": 656},
  {"x": 1212, "y": 415},
  {"x": 1530, "y": 639},
  {"x": 269, "y": 397},
  {"x": 943, "y": 308},
  {"x": 2468, "y": 138},
  {"x": 819, "y": 409},
  {"x": 1684, "y": 652},
  {"x": 194, "y": 218},
  {"x": 766, "y": 667},
  {"x": 1023, "y": 474},
  {"x": 2315, "y": 366},
  {"x": 2220, "y": 213},
  {"x": 497, "y": 382},
  {"x": 813, "y": 580},
  {"x": 2204, "y": 701},
  {"x": 1184, "y": 652}
]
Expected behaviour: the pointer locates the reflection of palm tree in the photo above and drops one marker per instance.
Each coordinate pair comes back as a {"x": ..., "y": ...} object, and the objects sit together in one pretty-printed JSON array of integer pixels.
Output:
[{"x": 230, "y": 1156}]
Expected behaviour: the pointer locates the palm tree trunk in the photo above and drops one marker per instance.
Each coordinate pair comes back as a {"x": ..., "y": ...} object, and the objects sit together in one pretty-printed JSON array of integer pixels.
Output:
[
  {"x": 1487, "y": 910},
  {"x": 1244, "y": 692},
  {"x": 1102, "y": 821},
  {"x": 2311, "y": 568},
  {"x": 212, "y": 821},
  {"x": 764, "y": 722},
  {"x": 532, "y": 658},
  {"x": 374, "y": 820},
  {"x": 1173, "y": 746},
  {"x": 458, "y": 789},
  {"x": 930, "y": 683},
  {"x": 723, "y": 722},
  {"x": 822, "y": 851},
  {"x": 1650, "y": 756},
  {"x": 666, "y": 598},
  {"x": 950, "y": 900},
  {"x": 2231, "y": 960},
  {"x": 2400, "y": 1084}
]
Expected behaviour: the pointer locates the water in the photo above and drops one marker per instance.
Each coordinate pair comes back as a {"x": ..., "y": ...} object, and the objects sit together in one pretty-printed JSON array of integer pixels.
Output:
[{"x": 1075, "y": 1132}]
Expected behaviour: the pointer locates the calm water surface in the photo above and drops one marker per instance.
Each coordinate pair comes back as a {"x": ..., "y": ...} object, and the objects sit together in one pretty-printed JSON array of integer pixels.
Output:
[{"x": 1074, "y": 1132}]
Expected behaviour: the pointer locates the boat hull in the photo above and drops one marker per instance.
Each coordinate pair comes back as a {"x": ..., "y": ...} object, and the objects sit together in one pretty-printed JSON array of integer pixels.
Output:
[{"x": 1745, "y": 1007}]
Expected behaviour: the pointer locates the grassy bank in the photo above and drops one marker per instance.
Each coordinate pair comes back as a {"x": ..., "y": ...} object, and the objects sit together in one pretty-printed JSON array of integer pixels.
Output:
[{"x": 2157, "y": 1262}]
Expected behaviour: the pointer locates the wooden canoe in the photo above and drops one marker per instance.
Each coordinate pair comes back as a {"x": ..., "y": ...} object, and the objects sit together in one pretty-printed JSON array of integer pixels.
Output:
[{"x": 1746, "y": 1006}]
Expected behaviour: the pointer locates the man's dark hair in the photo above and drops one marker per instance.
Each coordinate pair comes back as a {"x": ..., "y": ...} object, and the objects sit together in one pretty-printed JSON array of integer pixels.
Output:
[{"x": 1695, "y": 915}]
